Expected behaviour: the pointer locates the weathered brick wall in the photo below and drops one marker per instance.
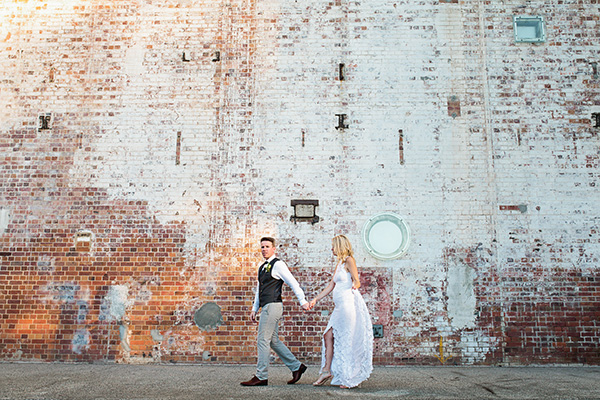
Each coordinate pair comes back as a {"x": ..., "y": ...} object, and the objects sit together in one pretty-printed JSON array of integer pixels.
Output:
[
  {"x": 544, "y": 147},
  {"x": 180, "y": 130}
]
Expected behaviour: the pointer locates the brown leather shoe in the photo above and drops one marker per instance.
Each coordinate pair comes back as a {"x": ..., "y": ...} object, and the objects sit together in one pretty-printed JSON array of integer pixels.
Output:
[
  {"x": 255, "y": 382},
  {"x": 296, "y": 375}
]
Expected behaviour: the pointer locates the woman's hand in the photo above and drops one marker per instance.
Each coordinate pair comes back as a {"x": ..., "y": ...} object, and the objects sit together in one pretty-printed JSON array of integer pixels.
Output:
[{"x": 312, "y": 303}]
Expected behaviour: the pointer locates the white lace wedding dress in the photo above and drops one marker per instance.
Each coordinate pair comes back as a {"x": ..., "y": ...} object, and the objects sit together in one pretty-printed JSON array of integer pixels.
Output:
[{"x": 352, "y": 333}]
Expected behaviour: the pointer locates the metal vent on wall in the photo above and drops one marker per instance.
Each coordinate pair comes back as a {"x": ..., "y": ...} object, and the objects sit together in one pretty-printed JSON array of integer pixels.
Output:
[
  {"x": 305, "y": 210},
  {"x": 529, "y": 29}
]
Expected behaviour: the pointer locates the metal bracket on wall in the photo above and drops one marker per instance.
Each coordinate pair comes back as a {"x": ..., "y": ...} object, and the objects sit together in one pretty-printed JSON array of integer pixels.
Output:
[
  {"x": 594, "y": 66},
  {"x": 178, "y": 149},
  {"x": 341, "y": 72},
  {"x": 596, "y": 120},
  {"x": 401, "y": 146},
  {"x": 341, "y": 121},
  {"x": 45, "y": 122},
  {"x": 186, "y": 57},
  {"x": 217, "y": 56}
]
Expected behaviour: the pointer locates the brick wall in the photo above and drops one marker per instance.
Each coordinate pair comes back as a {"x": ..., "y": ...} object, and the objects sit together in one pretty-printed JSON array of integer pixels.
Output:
[{"x": 147, "y": 146}]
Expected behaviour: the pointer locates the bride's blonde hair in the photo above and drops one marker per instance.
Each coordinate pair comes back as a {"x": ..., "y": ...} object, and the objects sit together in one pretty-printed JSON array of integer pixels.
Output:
[{"x": 342, "y": 247}]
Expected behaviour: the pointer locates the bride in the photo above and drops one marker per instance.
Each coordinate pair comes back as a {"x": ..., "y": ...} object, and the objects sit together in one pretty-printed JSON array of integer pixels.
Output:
[{"x": 347, "y": 357}]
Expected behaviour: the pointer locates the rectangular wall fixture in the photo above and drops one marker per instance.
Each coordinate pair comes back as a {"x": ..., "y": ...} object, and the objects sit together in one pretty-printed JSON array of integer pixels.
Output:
[
  {"x": 305, "y": 210},
  {"x": 596, "y": 120},
  {"x": 377, "y": 331},
  {"x": 529, "y": 29}
]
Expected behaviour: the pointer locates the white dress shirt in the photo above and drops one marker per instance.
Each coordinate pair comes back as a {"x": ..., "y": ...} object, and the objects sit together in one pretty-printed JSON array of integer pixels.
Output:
[{"x": 281, "y": 271}]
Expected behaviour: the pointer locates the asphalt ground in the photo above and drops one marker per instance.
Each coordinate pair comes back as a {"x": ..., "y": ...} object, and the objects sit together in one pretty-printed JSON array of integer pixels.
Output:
[{"x": 54, "y": 381}]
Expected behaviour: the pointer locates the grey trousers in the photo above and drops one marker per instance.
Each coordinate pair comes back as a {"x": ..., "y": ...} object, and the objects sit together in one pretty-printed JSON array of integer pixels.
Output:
[{"x": 268, "y": 338}]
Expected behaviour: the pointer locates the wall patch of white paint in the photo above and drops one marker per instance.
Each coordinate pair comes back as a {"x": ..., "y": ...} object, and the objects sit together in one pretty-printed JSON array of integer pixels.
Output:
[
  {"x": 133, "y": 64},
  {"x": 116, "y": 302},
  {"x": 4, "y": 219},
  {"x": 80, "y": 341},
  {"x": 461, "y": 295},
  {"x": 475, "y": 346},
  {"x": 124, "y": 335}
]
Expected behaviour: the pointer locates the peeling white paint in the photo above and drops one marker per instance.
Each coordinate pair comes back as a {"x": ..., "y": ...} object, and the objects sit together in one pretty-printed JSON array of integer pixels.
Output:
[
  {"x": 461, "y": 296},
  {"x": 475, "y": 346},
  {"x": 80, "y": 341},
  {"x": 117, "y": 300},
  {"x": 418, "y": 293},
  {"x": 4, "y": 219},
  {"x": 45, "y": 264},
  {"x": 134, "y": 60},
  {"x": 124, "y": 335}
]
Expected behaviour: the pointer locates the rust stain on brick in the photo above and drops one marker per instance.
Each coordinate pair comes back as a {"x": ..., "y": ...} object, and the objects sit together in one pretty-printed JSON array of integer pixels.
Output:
[{"x": 453, "y": 106}]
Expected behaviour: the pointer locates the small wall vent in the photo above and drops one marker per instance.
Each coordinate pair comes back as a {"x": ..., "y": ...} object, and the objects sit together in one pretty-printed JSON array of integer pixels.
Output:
[
  {"x": 529, "y": 29},
  {"x": 305, "y": 210}
]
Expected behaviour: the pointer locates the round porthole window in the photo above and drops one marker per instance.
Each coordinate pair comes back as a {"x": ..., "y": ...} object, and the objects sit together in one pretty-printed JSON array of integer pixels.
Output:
[{"x": 386, "y": 236}]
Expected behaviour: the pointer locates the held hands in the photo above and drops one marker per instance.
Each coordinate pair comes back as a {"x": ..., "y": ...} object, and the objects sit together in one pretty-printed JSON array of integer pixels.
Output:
[
  {"x": 306, "y": 307},
  {"x": 312, "y": 303}
]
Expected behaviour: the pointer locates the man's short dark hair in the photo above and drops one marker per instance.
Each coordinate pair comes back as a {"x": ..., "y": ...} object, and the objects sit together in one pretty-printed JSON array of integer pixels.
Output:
[{"x": 268, "y": 239}]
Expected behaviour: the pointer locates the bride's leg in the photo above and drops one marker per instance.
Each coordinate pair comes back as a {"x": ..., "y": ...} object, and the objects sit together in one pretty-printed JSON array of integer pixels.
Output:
[
  {"x": 328, "y": 349},
  {"x": 325, "y": 374}
]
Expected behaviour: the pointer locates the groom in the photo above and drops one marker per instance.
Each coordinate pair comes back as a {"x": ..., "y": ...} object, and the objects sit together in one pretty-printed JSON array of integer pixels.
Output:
[{"x": 271, "y": 276}]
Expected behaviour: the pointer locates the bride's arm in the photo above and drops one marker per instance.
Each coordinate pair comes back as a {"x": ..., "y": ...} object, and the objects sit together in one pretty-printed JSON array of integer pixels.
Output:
[
  {"x": 324, "y": 293},
  {"x": 351, "y": 265}
]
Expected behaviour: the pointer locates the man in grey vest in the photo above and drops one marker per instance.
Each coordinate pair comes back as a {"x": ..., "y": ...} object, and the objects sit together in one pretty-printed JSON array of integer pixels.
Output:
[{"x": 271, "y": 276}]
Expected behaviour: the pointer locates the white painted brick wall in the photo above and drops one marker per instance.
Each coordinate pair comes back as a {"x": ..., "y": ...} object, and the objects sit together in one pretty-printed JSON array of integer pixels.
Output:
[{"x": 523, "y": 136}]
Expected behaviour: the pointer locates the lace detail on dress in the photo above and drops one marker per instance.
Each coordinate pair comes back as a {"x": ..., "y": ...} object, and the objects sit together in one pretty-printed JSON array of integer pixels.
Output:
[{"x": 352, "y": 332}]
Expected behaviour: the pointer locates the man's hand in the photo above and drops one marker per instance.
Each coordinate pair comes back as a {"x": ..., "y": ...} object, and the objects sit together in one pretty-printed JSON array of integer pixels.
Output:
[
  {"x": 253, "y": 316},
  {"x": 306, "y": 307}
]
